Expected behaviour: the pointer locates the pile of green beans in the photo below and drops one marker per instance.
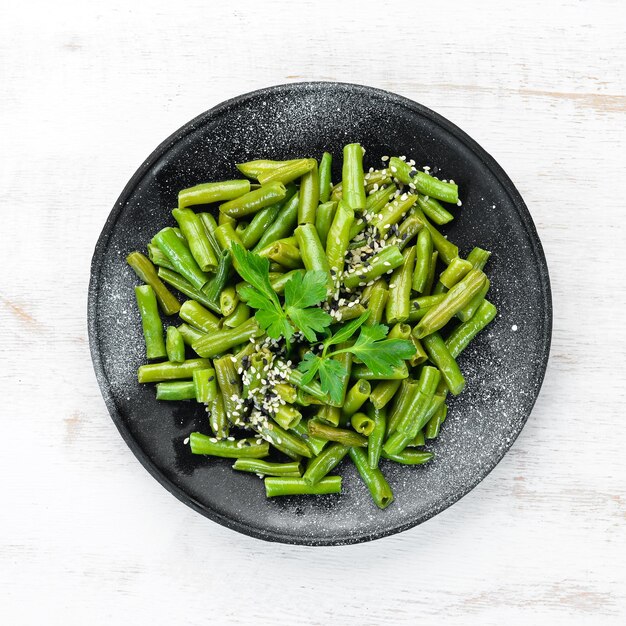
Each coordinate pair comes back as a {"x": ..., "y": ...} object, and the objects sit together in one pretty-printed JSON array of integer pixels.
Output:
[{"x": 375, "y": 236}]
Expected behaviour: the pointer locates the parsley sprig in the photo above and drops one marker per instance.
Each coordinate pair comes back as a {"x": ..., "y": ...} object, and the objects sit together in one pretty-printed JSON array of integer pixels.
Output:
[
  {"x": 379, "y": 354},
  {"x": 302, "y": 293}
]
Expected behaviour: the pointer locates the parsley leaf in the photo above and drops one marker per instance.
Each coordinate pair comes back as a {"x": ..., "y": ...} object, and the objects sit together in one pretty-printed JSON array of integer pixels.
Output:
[
  {"x": 309, "y": 321},
  {"x": 347, "y": 330},
  {"x": 331, "y": 372},
  {"x": 309, "y": 366},
  {"x": 254, "y": 269},
  {"x": 302, "y": 292},
  {"x": 381, "y": 355}
]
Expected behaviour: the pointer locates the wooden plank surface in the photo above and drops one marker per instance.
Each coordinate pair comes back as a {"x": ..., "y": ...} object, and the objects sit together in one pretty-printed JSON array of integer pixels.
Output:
[{"x": 88, "y": 90}]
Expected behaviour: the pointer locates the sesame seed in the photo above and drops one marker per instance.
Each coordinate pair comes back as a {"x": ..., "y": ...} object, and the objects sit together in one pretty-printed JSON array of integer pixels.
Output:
[
  {"x": 186, "y": 440},
  {"x": 385, "y": 158}
]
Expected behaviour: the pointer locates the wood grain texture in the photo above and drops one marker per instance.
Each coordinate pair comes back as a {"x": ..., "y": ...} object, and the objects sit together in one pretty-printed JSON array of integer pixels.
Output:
[{"x": 88, "y": 90}]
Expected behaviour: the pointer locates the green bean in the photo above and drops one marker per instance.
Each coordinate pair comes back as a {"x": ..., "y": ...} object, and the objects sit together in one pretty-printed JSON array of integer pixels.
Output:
[
  {"x": 324, "y": 178},
  {"x": 313, "y": 388},
  {"x": 266, "y": 468},
  {"x": 157, "y": 257},
  {"x": 324, "y": 463},
  {"x": 223, "y": 340},
  {"x": 174, "y": 345},
  {"x": 384, "y": 391},
  {"x": 323, "y": 219},
  {"x": 278, "y": 280},
  {"x": 457, "y": 270},
  {"x": 189, "y": 333},
  {"x": 254, "y": 201},
  {"x": 157, "y": 372},
  {"x": 288, "y": 172},
  {"x": 330, "y": 415},
  {"x": 361, "y": 371},
  {"x": 461, "y": 336},
  {"x": 288, "y": 486},
  {"x": 422, "y": 182},
  {"x": 373, "y": 205},
  {"x": 286, "y": 391},
  {"x": 195, "y": 233},
  {"x": 356, "y": 397},
  {"x": 467, "y": 312},
  {"x": 226, "y": 220},
  {"x": 377, "y": 302},
  {"x": 263, "y": 220},
  {"x": 176, "y": 390},
  {"x": 387, "y": 259},
  {"x": 309, "y": 196},
  {"x": 195, "y": 314},
  {"x": 346, "y": 313},
  {"x": 205, "y": 385},
  {"x": 282, "y": 226},
  {"x": 457, "y": 298},
  {"x": 146, "y": 272},
  {"x": 180, "y": 257},
  {"x": 478, "y": 258},
  {"x": 244, "y": 448},
  {"x": 150, "y": 322},
  {"x": 435, "y": 422},
  {"x": 393, "y": 212},
  {"x": 285, "y": 441},
  {"x": 399, "y": 331},
  {"x": 209, "y": 223},
  {"x": 339, "y": 237},
  {"x": 431, "y": 274},
  {"x": 419, "y": 439},
  {"x": 377, "y": 435},
  {"x": 227, "y": 237},
  {"x": 423, "y": 259},
  {"x": 178, "y": 282},
  {"x": 254, "y": 169},
  {"x": 378, "y": 487},
  {"x": 340, "y": 435},
  {"x": 399, "y": 300},
  {"x": 434, "y": 210},
  {"x": 352, "y": 177},
  {"x": 241, "y": 313},
  {"x": 287, "y": 416},
  {"x": 420, "y": 355},
  {"x": 420, "y": 305},
  {"x": 447, "y": 250},
  {"x": 283, "y": 253},
  {"x": 207, "y": 193},
  {"x": 311, "y": 251},
  {"x": 315, "y": 444},
  {"x": 240, "y": 227},
  {"x": 410, "y": 457},
  {"x": 218, "y": 420},
  {"x": 402, "y": 401},
  {"x": 362, "y": 423},
  {"x": 229, "y": 383},
  {"x": 439, "y": 354},
  {"x": 410, "y": 227},
  {"x": 228, "y": 300},
  {"x": 439, "y": 288}
]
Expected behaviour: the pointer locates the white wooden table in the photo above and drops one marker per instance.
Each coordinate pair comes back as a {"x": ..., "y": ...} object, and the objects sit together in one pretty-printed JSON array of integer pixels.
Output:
[{"x": 88, "y": 90}]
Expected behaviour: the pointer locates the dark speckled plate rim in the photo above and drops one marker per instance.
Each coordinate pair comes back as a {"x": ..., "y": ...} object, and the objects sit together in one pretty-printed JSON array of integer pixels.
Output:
[{"x": 94, "y": 286}]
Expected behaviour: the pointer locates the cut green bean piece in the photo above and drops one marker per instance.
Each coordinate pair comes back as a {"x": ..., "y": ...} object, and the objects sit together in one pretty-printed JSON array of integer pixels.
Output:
[
  {"x": 315, "y": 444},
  {"x": 329, "y": 415},
  {"x": 311, "y": 251},
  {"x": 447, "y": 250},
  {"x": 221, "y": 341},
  {"x": 218, "y": 420},
  {"x": 288, "y": 486},
  {"x": 242, "y": 449},
  {"x": 399, "y": 331},
  {"x": 323, "y": 219},
  {"x": 324, "y": 178},
  {"x": 401, "y": 403},
  {"x": 205, "y": 382},
  {"x": 458, "y": 297},
  {"x": 377, "y": 435},
  {"x": 378, "y": 487},
  {"x": 287, "y": 416},
  {"x": 410, "y": 457},
  {"x": 434, "y": 210},
  {"x": 339, "y": 236},
  {"x": 286, "y": 254},
  {"x": 435, "y": 422},
  {"x": 419, "y": 306},
  {"x": 228, "y": 300},
  {"x": 309, "y": 196},
  {"x": 410, "y": 227},
  {"x": 384, "y": 391},
  {"x": 207, "y": 193},
  {"x": 362, "y": 423},
  {"x": 377, "y": 302},
  {"x": 423, "y": 182},
  {"x": 229, "y": 383},
  {"x": 195, "y": 314},
  {"x": 288, "y": 172},
  {"x": 423, "y": 259},
  {"x": 478, "y": 258},
  {"x": 467, "y": 312},
  {"x": 393, "y": 212},
  {"x": 324, "y": 463},
  {"x": 461, "y": 336},
  {"x": 284, "y": 440},
  {"x": 361, "y": 371},
  {"x": 387, "y": 259},
  {"x": 176, "y": 390},
  {"x": 158, "y": 372},
  {"x": 399, "y": 300},
  {"x": 420, "y": 355},
  {"x": 457, "y": 270},
  {"x": 241, "y": 313},
  {"x": 264, "y": 219},
  {"x": 146, "y": 272},
  {"x": 278, "y": 281},
  {"x": 254, "y": 201},
  {"x": 356, "y": 397},
  {"x": 340, "y": 435},
  {"x": 150, "y": 322},
  {"x": 180, "y": 257},
  {"x": 283, "y": 225},
  {"x": 352, "y": 177},
  {"x": 157, "y": 257},
  {"x": 178, "y": 282},
  {"x": 254, "y": 169},
  {"x": 189, "y": 333},
  {"x": 195, "y": 233},
  {"x": 267, "y": 468},
  {"x": 419, "y": 439},
  {"x": 431, "y": 275},
  {"x": 174, "y": 345},
  {"x": 439, "y": 354}
]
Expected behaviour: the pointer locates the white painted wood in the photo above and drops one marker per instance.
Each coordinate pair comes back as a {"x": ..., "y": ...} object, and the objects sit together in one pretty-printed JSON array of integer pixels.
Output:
[{"x": 87, "y": 91}]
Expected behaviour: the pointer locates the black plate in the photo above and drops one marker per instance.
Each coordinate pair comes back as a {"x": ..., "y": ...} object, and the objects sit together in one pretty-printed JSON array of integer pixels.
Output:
[{"x": 504, "y": 367}]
